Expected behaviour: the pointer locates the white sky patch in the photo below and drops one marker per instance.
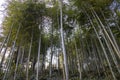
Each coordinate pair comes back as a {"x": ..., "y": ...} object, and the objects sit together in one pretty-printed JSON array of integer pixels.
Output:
[
  {"x": 2, "y": 12},
  {"x": 66, "y": 1}
]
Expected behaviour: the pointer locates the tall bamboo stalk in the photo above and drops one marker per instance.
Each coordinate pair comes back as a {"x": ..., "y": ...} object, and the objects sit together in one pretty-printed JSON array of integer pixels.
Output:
[
  {"x": 51, "y": 53},
  {"x": 63, "y": 44}
]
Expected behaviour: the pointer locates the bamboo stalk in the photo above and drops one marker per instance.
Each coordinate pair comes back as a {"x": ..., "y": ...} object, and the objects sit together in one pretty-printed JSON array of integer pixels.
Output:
[{"x": 63, "y": 44}]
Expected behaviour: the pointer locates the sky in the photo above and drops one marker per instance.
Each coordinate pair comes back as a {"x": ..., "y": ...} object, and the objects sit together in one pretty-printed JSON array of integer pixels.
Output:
[
  {"x": 1, "y": 9},
  {"x": 1, "y": 13}
]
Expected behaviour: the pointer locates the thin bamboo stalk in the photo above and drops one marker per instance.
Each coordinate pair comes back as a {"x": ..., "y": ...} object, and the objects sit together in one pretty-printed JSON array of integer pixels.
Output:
[
  {"x": 38, "y": 58},
  {"x": 16, "y": 67},
  {"x": 101, "y": 58},
  {"x": 78, "y": 61},
  {"x": 30, "y": 48}
]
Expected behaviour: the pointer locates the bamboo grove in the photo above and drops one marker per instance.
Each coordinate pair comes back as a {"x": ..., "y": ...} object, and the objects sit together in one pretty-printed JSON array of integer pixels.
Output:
[{"x": 60, "y": 40}]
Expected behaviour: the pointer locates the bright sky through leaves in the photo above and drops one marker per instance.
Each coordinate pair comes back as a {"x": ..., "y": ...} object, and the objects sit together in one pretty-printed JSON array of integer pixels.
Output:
[{"x": 1, "y": 12}]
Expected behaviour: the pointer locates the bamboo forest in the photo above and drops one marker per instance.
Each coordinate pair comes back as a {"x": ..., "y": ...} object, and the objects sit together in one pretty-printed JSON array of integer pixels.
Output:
[{"x": 60, "y": 40}]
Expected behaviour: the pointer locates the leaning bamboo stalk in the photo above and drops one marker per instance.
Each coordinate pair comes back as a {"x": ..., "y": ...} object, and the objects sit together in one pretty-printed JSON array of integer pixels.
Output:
[
  {"x": 101, "y": 58},
  {"x": 116, "y": 49},
  {"x": 7, "y": 41},
  {"x": 96, "y": 56},
  {"x": 21, "y": 59},
  {"x": 101, "y": 46},
  {"x": 3, "y": 57},
  {"x": 22, "y": 55},
  {"x": 113, "y": 55},
  {"x": 19, "y": 54},
  {"x": 105, "y": 55},
  {"x": 18, "y": 58},
  {"x": 109, "y": 48},
  {"x": 8, "y": 63},
  {"x": 110, "y": 31},
  {"x": 12, "y": 53},
  {"x": 7, "y": 38}
]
